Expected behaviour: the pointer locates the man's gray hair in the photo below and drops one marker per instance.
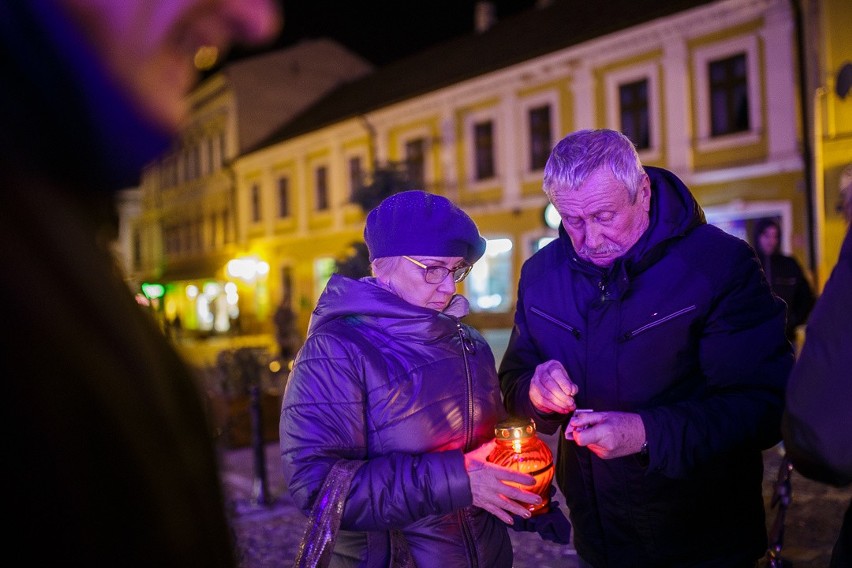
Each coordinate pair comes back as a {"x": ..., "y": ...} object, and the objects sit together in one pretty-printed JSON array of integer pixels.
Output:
[{"x": 578, "y": 155}]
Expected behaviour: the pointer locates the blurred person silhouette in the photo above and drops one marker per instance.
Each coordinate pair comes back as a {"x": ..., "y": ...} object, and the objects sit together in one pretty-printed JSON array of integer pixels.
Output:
[
  {"x": 663, "y": 330},
  {"x": 817, "y": 436},
  {"x": 109, "y": 457},
  {"x": 388, "y": 416},
  {"x": 785, "y": 275},
  {"x": 286, "y": 334}
]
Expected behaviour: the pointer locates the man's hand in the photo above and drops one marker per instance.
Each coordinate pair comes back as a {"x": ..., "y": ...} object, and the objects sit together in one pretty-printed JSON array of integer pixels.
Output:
[
  {"x": 607, "y": 434},
  {"x": 551, "y": 389},
  {"x": 492, "y": 489}
]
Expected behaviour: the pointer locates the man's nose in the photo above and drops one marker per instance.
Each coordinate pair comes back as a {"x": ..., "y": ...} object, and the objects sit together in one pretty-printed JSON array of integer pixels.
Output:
[{"x": 592, "y": 236}]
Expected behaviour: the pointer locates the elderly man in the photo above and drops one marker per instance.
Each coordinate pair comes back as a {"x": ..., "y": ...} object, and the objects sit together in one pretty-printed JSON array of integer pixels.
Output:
[{"x": 664, "y": 331}]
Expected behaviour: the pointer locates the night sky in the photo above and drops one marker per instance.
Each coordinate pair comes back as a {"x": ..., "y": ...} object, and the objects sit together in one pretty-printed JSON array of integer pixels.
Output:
[{"x": 382, "y": 30}]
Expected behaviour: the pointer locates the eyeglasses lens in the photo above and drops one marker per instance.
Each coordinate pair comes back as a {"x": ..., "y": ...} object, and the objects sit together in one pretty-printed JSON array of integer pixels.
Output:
[
  {"x": 437, "y": 274},
  {"x": 461, "y": 273}
]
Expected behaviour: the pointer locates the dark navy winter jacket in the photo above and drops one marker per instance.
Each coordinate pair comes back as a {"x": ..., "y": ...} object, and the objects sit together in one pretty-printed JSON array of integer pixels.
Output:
[
  {"x": 408, "y": 390},
  {"x": 816, "y": 429},
  {"x": 684, "y": 331}
]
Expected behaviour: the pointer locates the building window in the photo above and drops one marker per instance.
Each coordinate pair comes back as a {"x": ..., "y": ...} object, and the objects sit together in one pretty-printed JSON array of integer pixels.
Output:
[
  {"x": 287, "y": 285},
  {"x": 728, "y": 100},
  {"x": 728, "y": 83},
  {"x": 633, "y": 109},
  {"x": 541, "y": 136},
  {"x": 255, "y": 203},
  {"x": 283, "y": 197},
  {"x": 186, "y": 236},
  {"x": 221, "y": 154},
  {"x": 633, "y": 106},
  {"x": 356, "y": 174},
  {"x": 483, "y": 143},
  {"x": 196, "y": 160},
  {"x": 739, "y": 218},
  {"x": 490, "y": 282},
  {"x": 538, "y": 120},
  {"x": 210, "y": 162},
  {"x": 321, "y": 188},
  {"x": 199, "y": 234},
  {"x": 227, "y": 230},
  {"x": 215, "y": 239},
  {"x": 415, "y": 162},
  {"x": 136, "y": 252}
]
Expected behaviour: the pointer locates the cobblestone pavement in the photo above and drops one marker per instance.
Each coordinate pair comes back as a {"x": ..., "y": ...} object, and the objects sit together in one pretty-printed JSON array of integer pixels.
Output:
[{"x": 268, "y": 533}]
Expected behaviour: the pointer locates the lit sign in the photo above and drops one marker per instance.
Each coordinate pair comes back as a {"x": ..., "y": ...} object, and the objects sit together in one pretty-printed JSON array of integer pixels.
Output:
[{"x": 153, "y": 290}]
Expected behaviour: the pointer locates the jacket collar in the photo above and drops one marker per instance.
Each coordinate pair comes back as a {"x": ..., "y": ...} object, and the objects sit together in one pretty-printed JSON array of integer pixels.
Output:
[
  {"x": 367, "y": 302},
  {"x": 674, "y": 213}
]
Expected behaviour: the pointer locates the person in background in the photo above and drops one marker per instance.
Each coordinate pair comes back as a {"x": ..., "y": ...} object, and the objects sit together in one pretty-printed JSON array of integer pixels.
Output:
[
  {"x": 817, "y": 436},
  {"x": 393, "y": 385},
  {"x": 109, "y": 458},
  {"x": 662, "y": 330},
  {"x": 785, "y": 275},
  {"x": 286, "y": 334}
]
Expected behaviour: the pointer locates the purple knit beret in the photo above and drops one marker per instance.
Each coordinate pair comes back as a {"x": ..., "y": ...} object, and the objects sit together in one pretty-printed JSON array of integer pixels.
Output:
[{"x": 424, "y": 224}]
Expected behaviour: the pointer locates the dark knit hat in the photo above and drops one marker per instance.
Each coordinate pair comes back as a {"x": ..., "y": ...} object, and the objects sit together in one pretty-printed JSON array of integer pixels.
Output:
[{"x": 420, "y": 223}]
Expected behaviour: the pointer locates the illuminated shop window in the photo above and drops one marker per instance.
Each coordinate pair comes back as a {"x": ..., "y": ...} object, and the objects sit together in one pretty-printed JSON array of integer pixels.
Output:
[
  {"x": 490, "y": 282},
  {"x": 323, "y": 269},
  {"x": 540, "y": 243}
]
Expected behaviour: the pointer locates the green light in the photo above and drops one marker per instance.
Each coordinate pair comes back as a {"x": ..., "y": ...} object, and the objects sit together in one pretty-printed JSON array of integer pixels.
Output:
[{"x": 153, "y": 290}]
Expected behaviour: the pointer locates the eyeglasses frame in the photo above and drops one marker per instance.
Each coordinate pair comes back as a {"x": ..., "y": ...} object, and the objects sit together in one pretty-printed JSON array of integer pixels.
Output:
[{"x": 465, "y": 268}]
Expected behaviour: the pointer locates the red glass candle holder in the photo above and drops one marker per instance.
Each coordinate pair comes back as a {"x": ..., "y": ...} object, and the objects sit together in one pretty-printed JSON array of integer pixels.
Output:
[{"x": 519, "y": 447}]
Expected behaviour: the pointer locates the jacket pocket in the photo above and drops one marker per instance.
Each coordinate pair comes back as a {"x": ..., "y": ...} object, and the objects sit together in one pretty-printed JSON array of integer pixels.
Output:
[
  {"x": 556, "y": 321},
  {"x": 658, "y": 322}
]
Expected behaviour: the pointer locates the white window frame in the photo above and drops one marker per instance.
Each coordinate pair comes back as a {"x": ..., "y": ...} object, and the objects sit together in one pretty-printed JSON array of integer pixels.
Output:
[
  {"x": 410, "y": 135},
  {"x": 470, "y": 120},
  {"x": 315, "y": 165},
  {"x": 290, "y": 201},
  {"x": 649, "y": 71},
  {"x": 526, "y": 104},
  {"x": 701, "y": 58},
  {"x": 252, "y": 221},
  {"x": 366, "y": 167}
]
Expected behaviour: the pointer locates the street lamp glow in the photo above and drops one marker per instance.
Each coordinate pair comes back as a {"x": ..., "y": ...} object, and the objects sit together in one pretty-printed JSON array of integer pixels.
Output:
[{"x": 247, "y": 268}]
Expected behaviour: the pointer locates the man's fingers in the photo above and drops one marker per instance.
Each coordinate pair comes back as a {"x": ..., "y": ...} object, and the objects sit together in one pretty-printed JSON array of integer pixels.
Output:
[{"x": 551, "y": 390}]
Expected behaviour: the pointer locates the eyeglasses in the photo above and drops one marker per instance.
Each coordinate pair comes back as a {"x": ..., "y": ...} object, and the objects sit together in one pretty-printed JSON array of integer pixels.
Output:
[{"x": 437, "y": 274}]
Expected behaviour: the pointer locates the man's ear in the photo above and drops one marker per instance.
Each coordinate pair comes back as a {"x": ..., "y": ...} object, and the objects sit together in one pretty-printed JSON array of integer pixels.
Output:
[{"x": 644, "y": 193}]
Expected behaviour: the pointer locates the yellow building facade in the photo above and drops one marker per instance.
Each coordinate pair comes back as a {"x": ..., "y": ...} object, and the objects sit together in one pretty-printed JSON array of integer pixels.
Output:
[{"x": 712, "y": 92}]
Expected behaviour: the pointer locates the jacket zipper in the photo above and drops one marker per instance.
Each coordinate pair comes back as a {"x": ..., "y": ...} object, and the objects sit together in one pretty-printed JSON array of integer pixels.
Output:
[
  {"x": 571, "y": 329},
  {"x": 468, "y": 538},
  {"x": 655, "y": 323},
  {"x": 468, "y": 348}
]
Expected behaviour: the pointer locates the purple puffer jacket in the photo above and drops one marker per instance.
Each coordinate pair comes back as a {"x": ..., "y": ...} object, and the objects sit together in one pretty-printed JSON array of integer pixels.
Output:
[{"x": 408, "y": 390}]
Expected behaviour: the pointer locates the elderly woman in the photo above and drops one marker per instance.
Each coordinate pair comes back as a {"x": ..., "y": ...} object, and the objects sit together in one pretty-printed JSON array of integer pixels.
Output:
[{"x": 392, "y": 387}]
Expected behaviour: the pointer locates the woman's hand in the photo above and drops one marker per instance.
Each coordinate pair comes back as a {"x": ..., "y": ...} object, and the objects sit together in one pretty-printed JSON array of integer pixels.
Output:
[{"x": 492, "y": 489}]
